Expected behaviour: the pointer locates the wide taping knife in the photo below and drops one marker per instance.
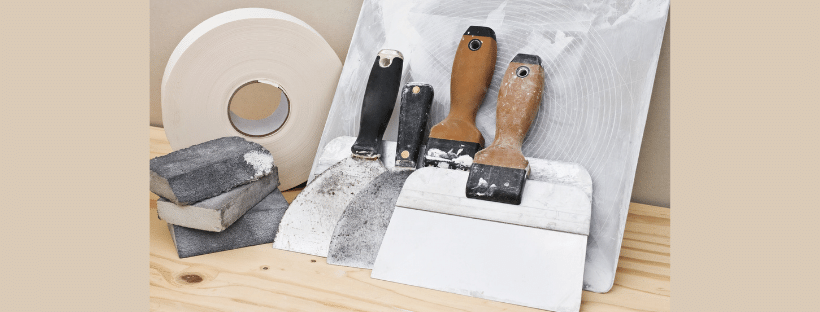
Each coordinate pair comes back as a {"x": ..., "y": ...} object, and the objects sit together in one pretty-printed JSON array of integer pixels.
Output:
[
  {"x": 360, "y": 230},
  {"x": 308, "y": 223},
  {"x": 486, "y": 246},
  {"x": 454, "y": 141}
]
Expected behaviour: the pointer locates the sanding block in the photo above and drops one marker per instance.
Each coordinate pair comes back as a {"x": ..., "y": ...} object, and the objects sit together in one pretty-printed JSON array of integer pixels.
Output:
[
  {"x": 257, "y": 226},
  {"x": 217, "y": 213},
  {"x": 205, "y": 170}
]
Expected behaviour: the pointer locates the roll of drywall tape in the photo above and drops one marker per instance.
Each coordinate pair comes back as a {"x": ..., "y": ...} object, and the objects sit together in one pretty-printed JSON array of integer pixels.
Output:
[{"x": 242, "y": 47}]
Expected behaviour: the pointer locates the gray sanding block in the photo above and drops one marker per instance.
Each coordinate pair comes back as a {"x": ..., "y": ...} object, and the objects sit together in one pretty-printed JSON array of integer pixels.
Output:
[
  {"x": 208, "y": 169},
  {"x": 257, "y": 226},
  {"x": 218, "y": 213}
]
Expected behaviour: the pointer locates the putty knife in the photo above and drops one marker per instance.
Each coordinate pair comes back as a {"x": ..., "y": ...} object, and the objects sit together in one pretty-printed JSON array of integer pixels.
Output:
[
  {"x": 530, "y": 254},
  {"x": 454, "y": 141},
  {"x": 359, "y": 232},
  {"x": 309, "y": 222}
]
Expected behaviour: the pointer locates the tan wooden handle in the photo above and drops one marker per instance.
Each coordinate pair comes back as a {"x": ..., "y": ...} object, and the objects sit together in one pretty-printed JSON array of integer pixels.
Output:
[
  {"x": 472, "y": 72},
  {"x": 518, "y": 100}
]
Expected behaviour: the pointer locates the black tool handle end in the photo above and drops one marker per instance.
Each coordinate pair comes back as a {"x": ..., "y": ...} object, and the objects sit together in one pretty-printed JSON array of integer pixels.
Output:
[
  {"x": 379, "y": 100},
  {"x": 482, "y": 31},
  {"x": 416, "y": 99},
  {"x": 527, "y": 59}
]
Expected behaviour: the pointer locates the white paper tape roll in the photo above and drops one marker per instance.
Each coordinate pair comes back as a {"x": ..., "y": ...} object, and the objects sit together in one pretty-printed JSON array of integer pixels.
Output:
[{"x": 238, "y": 47}]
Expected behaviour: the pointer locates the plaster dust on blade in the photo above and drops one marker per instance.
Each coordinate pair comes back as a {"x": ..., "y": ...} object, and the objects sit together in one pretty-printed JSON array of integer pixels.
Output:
[
  {"x": 545, "y": 170},
  {"x": 358, "y": 234},
  {"x": 308, "y": 224},
  {"x": 311, "y": 217}
]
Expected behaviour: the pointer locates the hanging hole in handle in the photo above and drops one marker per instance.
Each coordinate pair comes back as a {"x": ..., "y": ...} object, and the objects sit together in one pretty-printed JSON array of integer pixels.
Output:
[
  {"x": 385, "y": 62},
  {"x": 522, "y": 71},
  {"x": 474, "y": 44}
]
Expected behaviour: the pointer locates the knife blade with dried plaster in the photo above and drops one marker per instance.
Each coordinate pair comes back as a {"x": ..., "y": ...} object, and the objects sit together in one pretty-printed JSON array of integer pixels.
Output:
[
  {"x": 530, "y": 253},
  {"x": 308, "y": 223},
  {"x": 544, "y": 170},
  {"x": 359, "y": 232}
]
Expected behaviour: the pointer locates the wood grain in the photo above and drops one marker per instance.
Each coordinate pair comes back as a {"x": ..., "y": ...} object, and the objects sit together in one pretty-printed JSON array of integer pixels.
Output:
[{"x": 261, "y": 278}]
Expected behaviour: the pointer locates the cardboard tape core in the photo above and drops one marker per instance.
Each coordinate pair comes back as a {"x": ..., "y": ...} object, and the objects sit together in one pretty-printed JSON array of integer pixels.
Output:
[{"x": 258, "y": 108}]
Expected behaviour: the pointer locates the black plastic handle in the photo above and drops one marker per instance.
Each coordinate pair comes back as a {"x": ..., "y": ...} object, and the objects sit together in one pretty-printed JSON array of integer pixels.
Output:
[
  {"x": 416, "y": 99},
  {"x": 377, "y": 106}
]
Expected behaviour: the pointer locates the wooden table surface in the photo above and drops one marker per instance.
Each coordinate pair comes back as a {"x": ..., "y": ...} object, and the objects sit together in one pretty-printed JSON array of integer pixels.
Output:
[{"x": 261, "y": 278}]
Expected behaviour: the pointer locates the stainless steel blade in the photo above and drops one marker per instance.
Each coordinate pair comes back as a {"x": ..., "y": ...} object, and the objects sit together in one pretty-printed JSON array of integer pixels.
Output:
[
  {"x": 530, "y": 254},
  {"x": 309, "y": 222},
  {"x": 360, "y": 230},
  {"x": 358, "y": 235},
  {"x": 339, "y": 148},
  {"x": 544, "y": 205},
  {"x": 491, "y": 260}
]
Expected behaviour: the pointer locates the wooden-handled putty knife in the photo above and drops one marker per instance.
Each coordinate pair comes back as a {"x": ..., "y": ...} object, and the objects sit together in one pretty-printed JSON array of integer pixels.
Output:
[{"x": 509, "y": 241}]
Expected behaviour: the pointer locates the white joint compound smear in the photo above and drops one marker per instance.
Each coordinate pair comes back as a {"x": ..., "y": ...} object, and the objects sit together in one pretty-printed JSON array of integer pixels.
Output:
[
  {"x": 261, "y": 162},
  {"x": 599, "y": 60},
  {"x": 464, "y": 160},
  {"x": 446, "y": 157}
]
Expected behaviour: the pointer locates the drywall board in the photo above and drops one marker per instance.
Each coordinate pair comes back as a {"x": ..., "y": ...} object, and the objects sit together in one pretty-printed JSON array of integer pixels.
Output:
[{"x": 600, "y": 59}]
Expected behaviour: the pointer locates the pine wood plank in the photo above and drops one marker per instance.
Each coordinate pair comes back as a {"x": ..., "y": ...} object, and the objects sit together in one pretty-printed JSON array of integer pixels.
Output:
[{"x": 261, "y": 278}]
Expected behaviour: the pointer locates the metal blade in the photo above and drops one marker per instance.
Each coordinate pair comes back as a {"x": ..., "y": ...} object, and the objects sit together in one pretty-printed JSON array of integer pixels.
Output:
[
  {"x": 557, "y": 172},
  {"x": 543, "y": 205},
  {"x": 502, "y": 262},
  {"x": 308, "y": 224},
  {"x": 339, "y": 148},
  {"x": 530, "y": 254},
  {"x": 358, "y": 235}
]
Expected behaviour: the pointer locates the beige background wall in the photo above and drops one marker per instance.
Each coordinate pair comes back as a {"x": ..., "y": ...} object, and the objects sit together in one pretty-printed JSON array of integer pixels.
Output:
[{"x": 335, "y": 21}]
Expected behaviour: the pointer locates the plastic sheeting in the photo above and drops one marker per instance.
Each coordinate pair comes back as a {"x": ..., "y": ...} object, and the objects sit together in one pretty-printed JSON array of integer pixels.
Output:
[{"x": 600, "y": 59}]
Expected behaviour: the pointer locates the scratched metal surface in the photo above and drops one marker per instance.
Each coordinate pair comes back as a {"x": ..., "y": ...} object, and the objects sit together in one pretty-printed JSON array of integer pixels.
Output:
[{"x": 600, "y": 59}]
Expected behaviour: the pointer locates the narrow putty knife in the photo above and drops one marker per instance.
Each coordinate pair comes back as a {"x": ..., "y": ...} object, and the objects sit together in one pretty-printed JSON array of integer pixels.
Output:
[
  {"x": 309, "y": 222},
  {"x": 359, "y": 232},
  {"x": 531, "y": 254},
  {"x": 454, "y": 141}
]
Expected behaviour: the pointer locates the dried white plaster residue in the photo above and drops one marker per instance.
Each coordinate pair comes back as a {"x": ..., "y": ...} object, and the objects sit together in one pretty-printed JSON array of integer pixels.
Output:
[
  {"x": 434, "y": 152},
  {"x": 449, "y": 157},
  {"x": 464, "y": 160},
  {"x": 261, "y": 162}
]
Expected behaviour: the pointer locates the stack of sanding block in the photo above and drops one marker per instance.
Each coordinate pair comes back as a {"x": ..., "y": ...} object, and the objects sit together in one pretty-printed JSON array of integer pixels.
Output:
[{"x": 219, "y": 195}]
